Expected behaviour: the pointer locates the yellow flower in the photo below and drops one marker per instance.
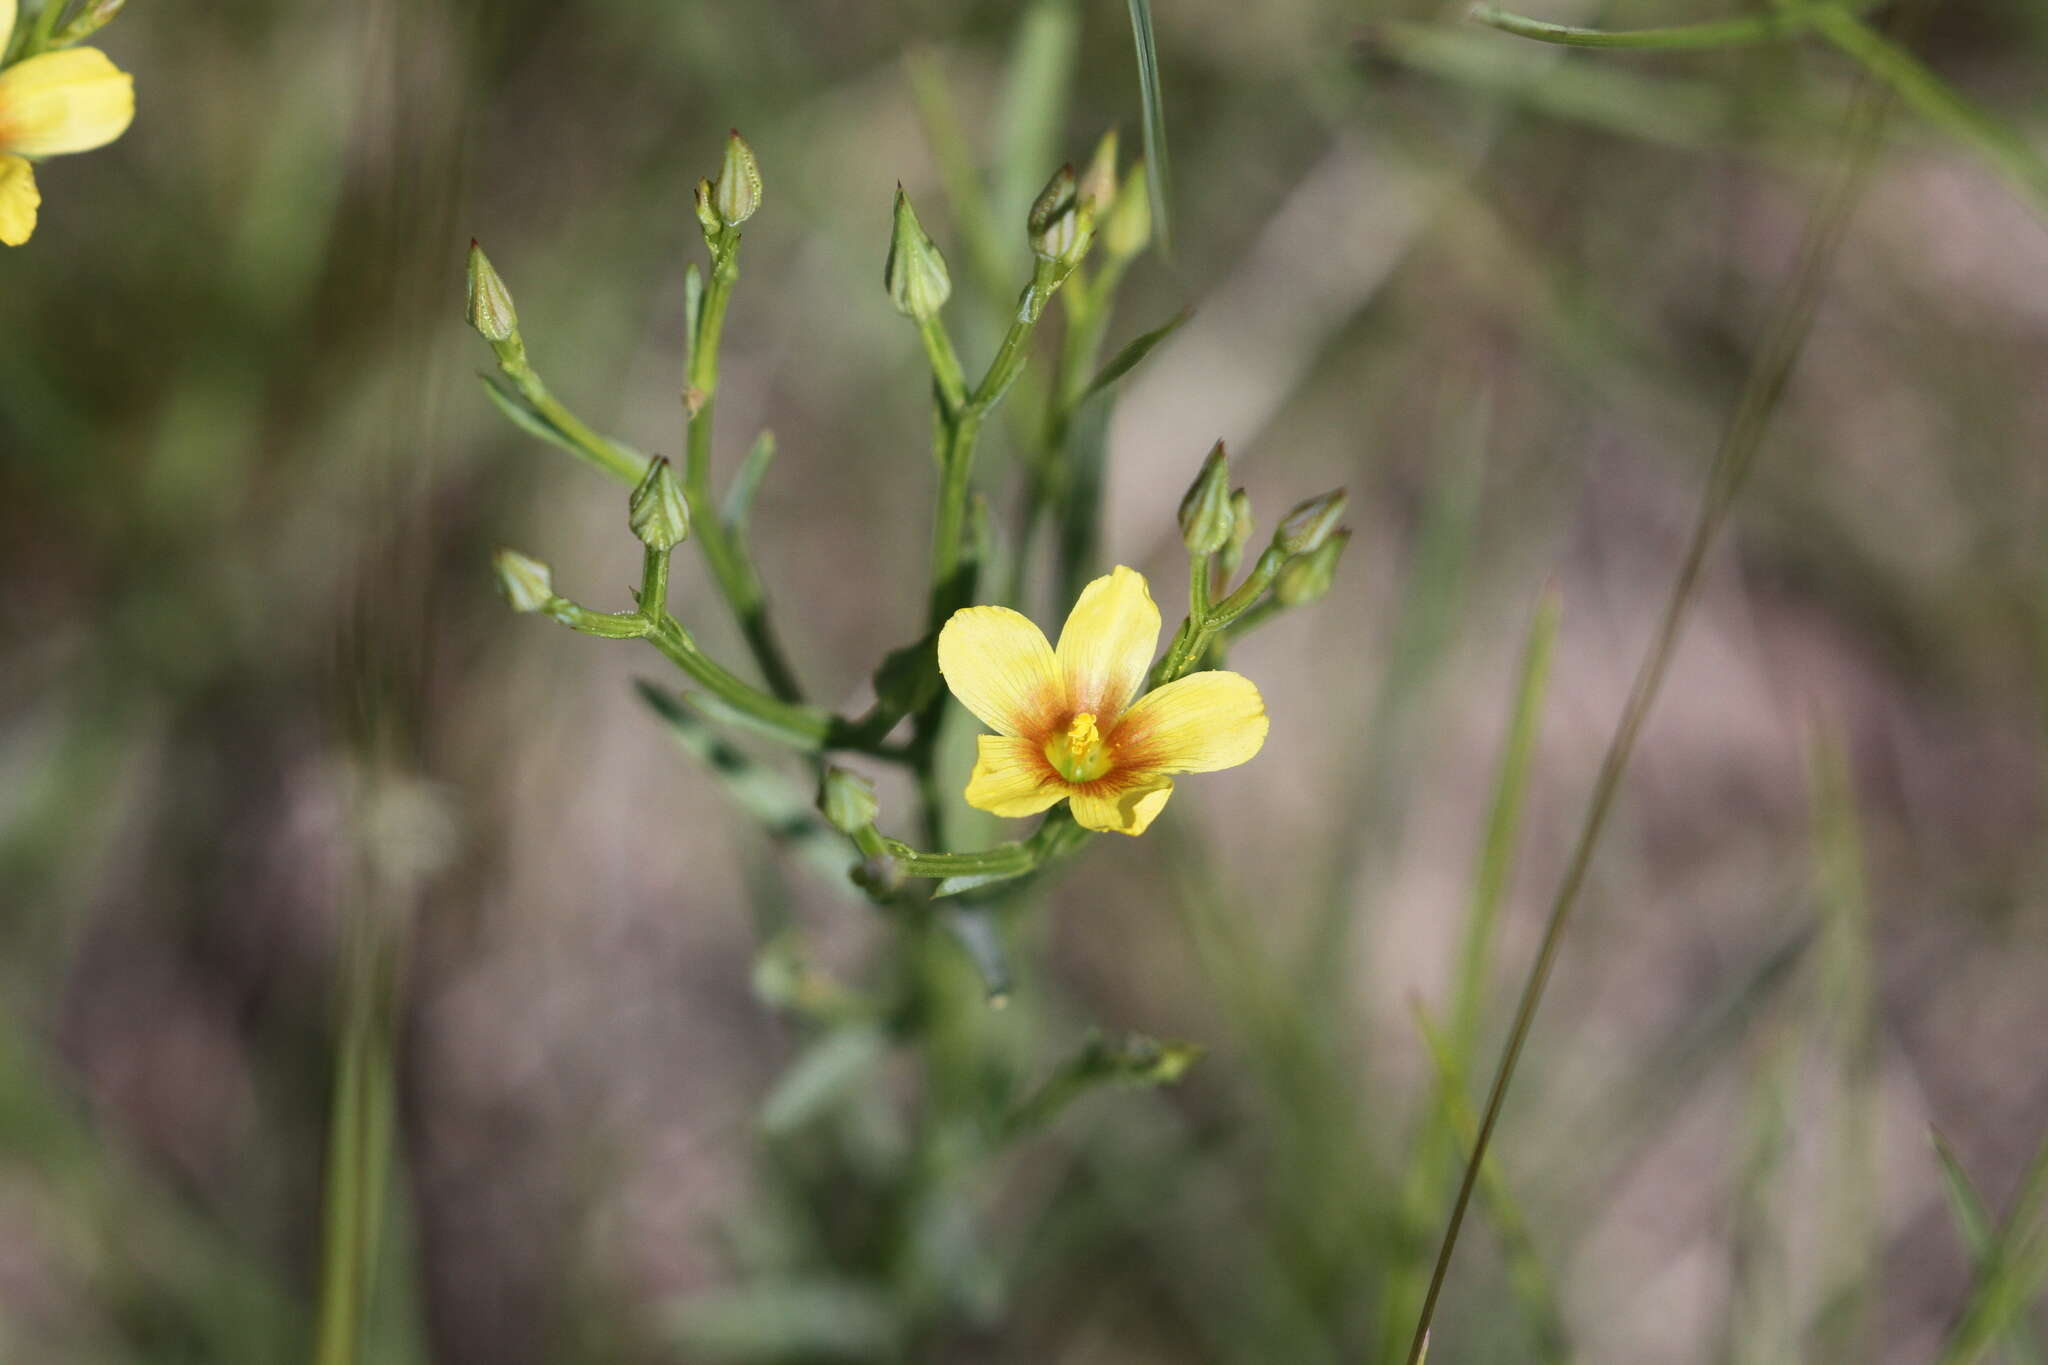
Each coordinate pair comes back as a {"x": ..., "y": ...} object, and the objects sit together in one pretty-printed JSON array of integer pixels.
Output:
[
  {"x": 1069, "y": 723},
  {"x": 53, "y": 103}
]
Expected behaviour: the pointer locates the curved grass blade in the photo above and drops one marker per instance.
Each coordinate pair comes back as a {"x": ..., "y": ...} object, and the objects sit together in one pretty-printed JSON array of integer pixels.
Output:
[
  {"x": 1730, "y": 470},
  {"x": 1157, "y": 179}
]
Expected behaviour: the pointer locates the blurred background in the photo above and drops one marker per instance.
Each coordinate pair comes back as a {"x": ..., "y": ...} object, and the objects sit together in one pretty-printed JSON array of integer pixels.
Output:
[{"x": 257, "y": 693}]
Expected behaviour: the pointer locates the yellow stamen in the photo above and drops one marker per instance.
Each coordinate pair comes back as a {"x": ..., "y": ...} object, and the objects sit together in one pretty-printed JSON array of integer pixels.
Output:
[{"x": 1079, "y": 755}]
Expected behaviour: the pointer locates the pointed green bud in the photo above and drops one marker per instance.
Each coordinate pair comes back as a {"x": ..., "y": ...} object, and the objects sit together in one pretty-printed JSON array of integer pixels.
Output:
[
  {"x": 658, "y": 513},
  {"x": 1241, "y": 524},
  {"x": 490, "y": 308},
  {"x": 527, "y": 584},
  {"x": 738, "y": 192},
  {"x": 707, "y": 216},
  {"x": 1061, "y": 225},
  {"x": 847, "y": 800},
  {"x": 1128, "y": 228},
  {"x": 915, "y": 273},
  {"x": 1205, "y": 518},
  {"x": 1305, "y": 578},
  {"x": 1310, "y": 524},
  {"x": 1098, "y": 182}
]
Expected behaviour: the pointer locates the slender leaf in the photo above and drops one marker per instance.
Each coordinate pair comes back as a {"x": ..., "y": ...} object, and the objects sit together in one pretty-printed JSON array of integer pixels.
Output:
[{"x": 1129, "y": 358}]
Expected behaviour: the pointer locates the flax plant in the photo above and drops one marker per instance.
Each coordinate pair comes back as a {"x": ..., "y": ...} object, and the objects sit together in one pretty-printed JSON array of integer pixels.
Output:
[{"x": 1089, "y": 733}]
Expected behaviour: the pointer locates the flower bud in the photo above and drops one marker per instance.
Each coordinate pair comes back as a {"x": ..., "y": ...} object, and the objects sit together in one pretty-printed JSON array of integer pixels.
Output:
[
  {"x": 1128, "y": 228},
  {"x": 658, "y": 513},
  {"x": 707, "y": 216},
  {"x": 527, "y": 584},
  {"x": 1098, "y": 182},
  {"x": 847, "y": 800},
  {"x": 915, "y": 273},
  {"x": 1061, "y": 224},
  {"x": 1205, "y": 518},
  {"x": 1305, "y": 578},
  {"x": 490, "y": 308},
  {"x": 738, "y": 192},
  {"x": 1310, "y": 524},
  {"x": 1241, "y": 524}
]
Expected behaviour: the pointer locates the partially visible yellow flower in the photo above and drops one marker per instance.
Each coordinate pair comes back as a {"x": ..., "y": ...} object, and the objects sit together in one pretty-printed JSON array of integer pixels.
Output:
[
  {"x": 1070, "y": 724},
  {"x": 51, "y": 104}
]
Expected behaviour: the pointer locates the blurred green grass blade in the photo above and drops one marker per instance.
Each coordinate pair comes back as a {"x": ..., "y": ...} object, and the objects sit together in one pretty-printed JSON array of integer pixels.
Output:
[
  {"x": 1503, "y": 830},
  {"x": 826, "y": 1070},
  {"x": 782, "y": 807},
  {"x": 1675, "y": 111},
  {"x": 2003, "y": 147},
  {"x": 2012, "y": 1279},
  {"x": 1036, "y": 95},
  {"x": 1528, "y": 1276},
  {"x": 1428, "y": 1178},
  {"x": 1757, "y": 1326},
  {"x": 1847, "y": 1020},
  {"x": 2014, "y": 1271},
  {"x": 973, "y": 217},
  {"x": 1158, "y": 181},
  {"x": 1759, "y": 28},
  {"x": 1432, "y": 602},
  {"x": 1132, "y": 355},
  {"x": 772, "y": 1321},
  {"x": 1980, "y": 1238}
]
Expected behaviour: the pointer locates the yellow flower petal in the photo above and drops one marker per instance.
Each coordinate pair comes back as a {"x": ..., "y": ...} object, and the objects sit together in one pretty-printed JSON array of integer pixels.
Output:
[
  {"x": 1197, "y": 724},
  {"x": 1106, "y": 646},
  {"x": 1122, "y": 807},
  {"x": 1000, "y": 667},
  {"x": 70, "y": 101},
  {"x": 19, "y": 199},
  {"x": 1011, "y": 778}
]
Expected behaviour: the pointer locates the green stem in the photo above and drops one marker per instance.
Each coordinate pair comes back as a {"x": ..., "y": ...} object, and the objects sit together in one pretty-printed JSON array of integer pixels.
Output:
[
  {"x": 604, "y": 454},
  {"x": 1191, "y": 643},
  {"x": 805, "y": 727},
  {"x": 730, "y": 567},
  {"x": 654, "y": 584}
]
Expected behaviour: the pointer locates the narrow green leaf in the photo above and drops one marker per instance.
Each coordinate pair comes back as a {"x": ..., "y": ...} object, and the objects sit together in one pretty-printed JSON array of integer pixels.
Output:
[
  {"x": 693, "y": 311},
  {"x": 746, "y": 481},
  {"x": 781, "y": 806},
  {"x": 972, "y": 881},
  {"x": 1129, "y": 358},
  {"x": 822, "y": 1074},
  {"x": 1157, "y": 180},
  {"x": 979, "y": 934},
  {"x": 602, "y": 452}
]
